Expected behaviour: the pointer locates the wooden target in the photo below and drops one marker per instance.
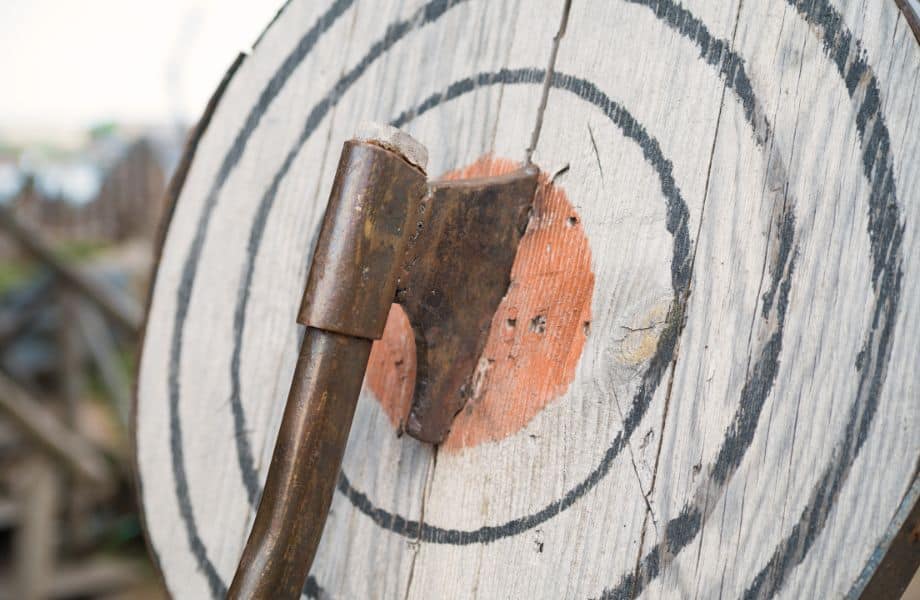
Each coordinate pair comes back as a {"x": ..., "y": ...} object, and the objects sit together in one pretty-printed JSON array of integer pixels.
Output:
[{"x": 703, "y": 381}]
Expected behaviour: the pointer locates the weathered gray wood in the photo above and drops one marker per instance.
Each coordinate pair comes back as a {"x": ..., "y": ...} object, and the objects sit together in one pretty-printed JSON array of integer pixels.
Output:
[
  {"x": 72, "y": 384},
  {"x": 36, "y": 541},
  {"x": 70, "y": 367},
  {"x": 19, "y": 318},
  {"x": 9, "y": 514},
  {"x": 118, "y": 306},
  {"x": 107, "y": 577},
  {"x": 742, "y": 419},
  {"x": 43, "y": 428},
  {"x": 103, "y": 349}
]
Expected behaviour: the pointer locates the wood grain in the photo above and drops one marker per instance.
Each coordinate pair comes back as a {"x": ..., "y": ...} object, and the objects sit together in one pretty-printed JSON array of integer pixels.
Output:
[{"x": 743, "y": 419}]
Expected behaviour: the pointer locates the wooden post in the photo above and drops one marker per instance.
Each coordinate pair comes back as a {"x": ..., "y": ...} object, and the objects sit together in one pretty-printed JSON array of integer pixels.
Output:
[
  {"x": 36, "y": 536},
  {"x": 70, "y": 345},
  {"x": 103, "y": 350}
]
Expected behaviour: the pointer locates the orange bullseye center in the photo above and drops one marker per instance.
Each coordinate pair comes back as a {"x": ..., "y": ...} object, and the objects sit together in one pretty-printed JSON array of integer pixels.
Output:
[{"x": 537, "y": 334}]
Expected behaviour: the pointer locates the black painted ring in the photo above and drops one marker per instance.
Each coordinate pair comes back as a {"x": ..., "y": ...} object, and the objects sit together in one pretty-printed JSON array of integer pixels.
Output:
[{"x": 677, "y": 220}]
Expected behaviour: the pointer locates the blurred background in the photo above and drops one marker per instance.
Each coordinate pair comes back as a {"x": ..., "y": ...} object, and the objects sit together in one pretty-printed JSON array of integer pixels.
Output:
[{"x": 98, "y": 97}]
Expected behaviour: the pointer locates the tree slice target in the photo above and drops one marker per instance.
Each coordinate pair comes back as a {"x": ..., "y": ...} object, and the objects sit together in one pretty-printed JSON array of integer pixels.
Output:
[{"x": 702, "y": 381}]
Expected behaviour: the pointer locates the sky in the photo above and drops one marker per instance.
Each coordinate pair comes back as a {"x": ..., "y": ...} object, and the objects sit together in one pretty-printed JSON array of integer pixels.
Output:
[{"x": 71, "y": 64}]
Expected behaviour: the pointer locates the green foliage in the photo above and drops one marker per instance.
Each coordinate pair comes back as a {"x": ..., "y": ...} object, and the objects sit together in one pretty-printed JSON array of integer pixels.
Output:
[
  {"x": 80, "y": 250},
  {"x": 15, "y": 273},
  {"x": 18, "y": 271},
  {"x": 103, "y": 130}
]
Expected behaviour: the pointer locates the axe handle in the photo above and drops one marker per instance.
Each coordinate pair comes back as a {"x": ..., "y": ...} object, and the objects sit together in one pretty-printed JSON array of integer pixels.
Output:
[
  {"x": 372, "y": 211},
  {"x": 304, "y": 468}
]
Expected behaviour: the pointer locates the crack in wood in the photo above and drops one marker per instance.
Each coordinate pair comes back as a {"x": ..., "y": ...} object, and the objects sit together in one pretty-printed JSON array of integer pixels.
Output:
[
  {"x": 535, "y": 136},
  {"x": 632, "y": 458},
  {"x": 597, "y": 155},
  {"x": 783, "y": 214},
  {"x": 548, "y": 81},
  {"x": 910, "y": 109},
  {"x": 426, "y": 493},
  {"x": 684, "y": 303}
]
